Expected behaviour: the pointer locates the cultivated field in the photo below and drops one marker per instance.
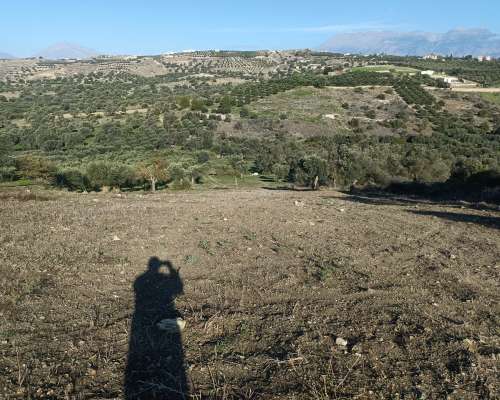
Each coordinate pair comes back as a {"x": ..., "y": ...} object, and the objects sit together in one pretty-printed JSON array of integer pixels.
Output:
[{"x": 285, "y": 295}]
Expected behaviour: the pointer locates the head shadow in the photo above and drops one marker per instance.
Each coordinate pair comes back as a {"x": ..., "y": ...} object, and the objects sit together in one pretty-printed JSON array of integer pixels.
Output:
[{"x": 155, "y": 363}]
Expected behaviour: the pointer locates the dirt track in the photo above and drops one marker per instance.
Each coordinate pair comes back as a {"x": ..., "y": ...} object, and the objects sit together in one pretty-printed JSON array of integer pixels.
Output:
[
  {"x": 475, "y": 90},
  {"x": 272, "y": 283}
]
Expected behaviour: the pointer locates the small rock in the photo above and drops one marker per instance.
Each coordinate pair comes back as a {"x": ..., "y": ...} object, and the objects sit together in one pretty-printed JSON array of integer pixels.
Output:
[
  {"x": 341, "y": 342},
  {"x": 171, "y": 325},
  {"x": 299, "y": 203},
  {"x": 357, "y": 349},
  {"x": 342, "y": 210}
]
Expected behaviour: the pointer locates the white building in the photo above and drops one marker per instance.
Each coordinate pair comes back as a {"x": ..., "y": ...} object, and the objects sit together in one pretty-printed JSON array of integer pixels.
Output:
[
  {"x": 484, "y": 58},
  {"x": 431, "y": 56},
  {"x": 428, "y": 73}
]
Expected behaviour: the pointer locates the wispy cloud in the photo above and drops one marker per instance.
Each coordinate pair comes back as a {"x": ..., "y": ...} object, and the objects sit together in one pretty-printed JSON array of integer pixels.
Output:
[{"x": 334, "y": 28}]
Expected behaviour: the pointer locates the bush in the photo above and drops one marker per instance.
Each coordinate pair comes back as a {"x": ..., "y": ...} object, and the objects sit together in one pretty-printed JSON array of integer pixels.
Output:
[
  {"x": 37, "y": 168},
  {"x": 244, "y": 112},
  {"x": 101, "y": 174},
  {"x": 72, "y": 179},
  {"x": 464, "y": 169},
  {"x": 181, "y": 179},
  {"x": 97, "y": 174},
  {"x": 281, "y": 171},
  {"x": 8, "y": 174},
  {"x": 177, "y": 172},
  {"x": 203, "y": 157},
  {"x": 183, "y": 184},
  {"x": 307, "y": 169}
]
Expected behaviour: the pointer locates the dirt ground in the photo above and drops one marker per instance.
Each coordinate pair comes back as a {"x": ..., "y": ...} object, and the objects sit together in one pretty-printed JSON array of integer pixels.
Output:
[{"x": 285, "y": 295}]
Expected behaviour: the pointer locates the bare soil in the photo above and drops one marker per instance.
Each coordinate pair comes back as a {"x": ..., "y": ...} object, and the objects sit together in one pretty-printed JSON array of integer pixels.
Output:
[{"x": 285, "y": 295}]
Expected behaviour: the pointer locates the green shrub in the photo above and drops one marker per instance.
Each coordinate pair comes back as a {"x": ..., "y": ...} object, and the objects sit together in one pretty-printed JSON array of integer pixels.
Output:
[
  {"x": 72, "y": 179},
  {"x": 101, "y": 174},
  {"x": 203, "y": 157},
  {"x": 98, "y": 175},
  {"x": 305, "y": 171},
  {"x": 281, "y": 171},
  {"x": 37, "y": 168},
  {"x": 8, "y": 174}
]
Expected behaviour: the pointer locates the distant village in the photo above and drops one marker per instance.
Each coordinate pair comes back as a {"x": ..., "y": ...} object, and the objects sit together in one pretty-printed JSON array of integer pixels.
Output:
[{"x": 433, "y": 56}]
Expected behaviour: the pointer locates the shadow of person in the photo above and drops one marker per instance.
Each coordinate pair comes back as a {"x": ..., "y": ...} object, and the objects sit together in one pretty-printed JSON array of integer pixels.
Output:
[{"x": 155, "y": 364}]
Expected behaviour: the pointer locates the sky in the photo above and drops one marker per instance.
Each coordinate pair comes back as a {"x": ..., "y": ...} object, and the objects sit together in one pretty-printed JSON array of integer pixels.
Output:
[{"x": 155, "y": 26}]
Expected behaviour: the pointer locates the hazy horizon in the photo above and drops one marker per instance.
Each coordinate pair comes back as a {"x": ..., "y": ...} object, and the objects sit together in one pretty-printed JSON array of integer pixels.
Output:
[{"x": 125, "y": 27}]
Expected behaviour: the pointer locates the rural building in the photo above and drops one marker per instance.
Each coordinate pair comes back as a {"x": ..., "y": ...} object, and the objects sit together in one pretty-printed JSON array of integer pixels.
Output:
[
  {"x": 431, "y": 56},
  {"x": 451, "y": 79},
  {"x": 428, "y": 73},
  {"x": 484, "y": 58}
]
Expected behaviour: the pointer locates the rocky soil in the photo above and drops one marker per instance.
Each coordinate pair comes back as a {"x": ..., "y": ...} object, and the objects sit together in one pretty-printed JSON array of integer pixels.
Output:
[{"x": 281, "y": 295}]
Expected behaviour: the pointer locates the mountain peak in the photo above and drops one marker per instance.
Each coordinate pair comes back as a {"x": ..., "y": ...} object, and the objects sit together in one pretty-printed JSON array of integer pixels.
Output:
[
  {"x": 459, "y": 42},
  {"x": 67, "y": 50}
]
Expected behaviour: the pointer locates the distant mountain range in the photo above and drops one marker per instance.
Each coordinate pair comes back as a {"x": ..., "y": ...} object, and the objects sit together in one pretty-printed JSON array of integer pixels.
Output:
[
  {"x": 67, "y": 50},
  {"x": 459, "y": 42},
  {"x": 5, "y": 56}
]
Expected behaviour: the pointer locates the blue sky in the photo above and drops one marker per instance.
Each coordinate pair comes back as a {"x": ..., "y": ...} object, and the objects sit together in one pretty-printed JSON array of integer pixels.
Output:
[{"x": 155, "y": 26}]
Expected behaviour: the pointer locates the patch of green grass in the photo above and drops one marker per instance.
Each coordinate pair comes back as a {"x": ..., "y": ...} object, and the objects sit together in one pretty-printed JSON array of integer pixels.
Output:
[
  {"x": 205, "y": 245},
  {"x": 491, "y": 97},
  {"x": 230, "y": 182},
  {"x": 298, "y": 93},
  {"x": 300, "y": 105},
  {"x": 390, "y": 68},
  {"x": 21, "y": 182}
]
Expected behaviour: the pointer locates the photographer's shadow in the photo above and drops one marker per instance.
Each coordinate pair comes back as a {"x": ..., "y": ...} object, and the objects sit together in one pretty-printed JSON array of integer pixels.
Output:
[{"x": 155, "y": 364}]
